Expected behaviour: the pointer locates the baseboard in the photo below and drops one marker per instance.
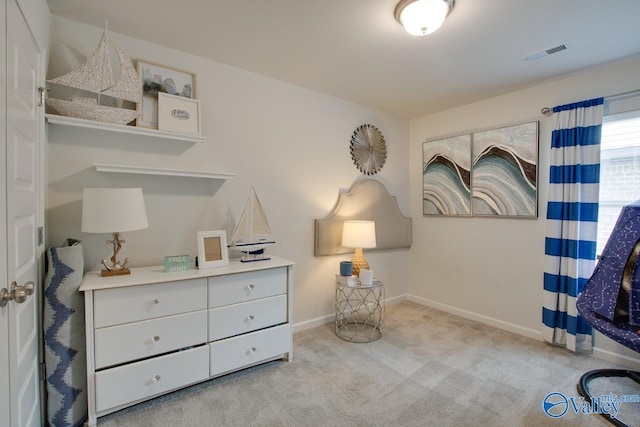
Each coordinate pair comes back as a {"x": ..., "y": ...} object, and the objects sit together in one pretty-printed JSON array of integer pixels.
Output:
[
  {"x": 606, "y": 355},
  {"x": 598, "y": 353},
  {"x": 626, "y": 361},
  {"x": 516, "y": 329},
  {"x": 312, "y": 323},
  {"x": 323, "y": 320},
  {"x": 396, "y": 300}
]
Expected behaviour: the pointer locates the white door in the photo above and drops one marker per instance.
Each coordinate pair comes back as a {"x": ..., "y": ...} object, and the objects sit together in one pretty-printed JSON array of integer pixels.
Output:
[
  {"x": 4, "y": 313},
  {"x": 24, "y": 118}
]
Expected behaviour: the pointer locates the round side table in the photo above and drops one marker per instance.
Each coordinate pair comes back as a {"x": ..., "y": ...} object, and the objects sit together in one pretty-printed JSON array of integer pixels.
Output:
[{"x": 360, "y": 311}]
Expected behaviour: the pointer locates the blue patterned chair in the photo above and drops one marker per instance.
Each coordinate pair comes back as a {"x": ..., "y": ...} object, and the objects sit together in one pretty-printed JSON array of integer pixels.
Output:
[{"x": 610, "y": 301}]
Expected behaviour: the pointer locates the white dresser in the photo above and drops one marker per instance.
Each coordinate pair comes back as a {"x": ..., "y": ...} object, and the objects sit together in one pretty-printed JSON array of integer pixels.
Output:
[{"x": 151, "y": 332}]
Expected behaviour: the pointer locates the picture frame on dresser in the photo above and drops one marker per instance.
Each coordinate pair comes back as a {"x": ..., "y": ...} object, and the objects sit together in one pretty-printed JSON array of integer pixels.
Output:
[
  {"x": 212, "y": 249},
  {"x": 157, "y": 78}
]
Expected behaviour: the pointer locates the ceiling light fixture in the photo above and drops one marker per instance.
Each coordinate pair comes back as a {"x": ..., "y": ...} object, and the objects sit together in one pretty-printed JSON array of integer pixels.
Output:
[{"x": 422, "y": 17}]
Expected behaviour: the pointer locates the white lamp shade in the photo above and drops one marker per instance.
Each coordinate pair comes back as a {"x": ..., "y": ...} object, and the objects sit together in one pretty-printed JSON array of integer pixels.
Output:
[
  {"x": 359, "y": 234},
  {"x": 424, "y": 16},
  {"x": 111, "y": 210}
]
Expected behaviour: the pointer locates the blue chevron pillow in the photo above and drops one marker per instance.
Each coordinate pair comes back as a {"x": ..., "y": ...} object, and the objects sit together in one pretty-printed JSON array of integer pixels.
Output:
[{"x": 64, "y": 336}]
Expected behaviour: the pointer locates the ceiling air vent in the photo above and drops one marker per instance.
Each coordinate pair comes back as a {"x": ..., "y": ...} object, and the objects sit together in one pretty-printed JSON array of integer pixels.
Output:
[{"x": 544, "y": 52}]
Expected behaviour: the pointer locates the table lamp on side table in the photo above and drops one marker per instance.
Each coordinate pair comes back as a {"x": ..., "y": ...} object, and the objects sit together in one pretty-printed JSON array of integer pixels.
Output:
[
  {"x": 113, "y": 210},
  {"x": 359, "y": 235}
]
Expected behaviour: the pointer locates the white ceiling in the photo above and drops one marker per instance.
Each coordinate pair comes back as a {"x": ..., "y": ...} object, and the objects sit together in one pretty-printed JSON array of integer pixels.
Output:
[{"x": 354, "y": 49}]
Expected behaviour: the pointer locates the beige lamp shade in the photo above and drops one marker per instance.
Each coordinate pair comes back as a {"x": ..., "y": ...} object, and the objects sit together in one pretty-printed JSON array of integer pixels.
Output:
[
  {"x": 359, "y": 234},
  {"x": 109, "y": 210}
]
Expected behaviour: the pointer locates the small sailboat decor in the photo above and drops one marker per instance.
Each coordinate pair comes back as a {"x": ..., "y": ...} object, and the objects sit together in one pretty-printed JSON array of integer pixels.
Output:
[
  {"x": 96, "y": 75},
  {"x": 252, "y": 234}
]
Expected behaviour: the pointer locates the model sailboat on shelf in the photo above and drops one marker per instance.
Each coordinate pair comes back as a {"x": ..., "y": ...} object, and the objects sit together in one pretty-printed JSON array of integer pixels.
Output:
[
  {"x": 96, "y": 75},
  {"x": 252, "y": 234}
]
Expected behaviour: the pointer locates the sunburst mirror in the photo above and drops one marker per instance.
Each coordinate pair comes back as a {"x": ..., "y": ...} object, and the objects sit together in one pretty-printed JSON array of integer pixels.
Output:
[{"x": 368, "y": 149}]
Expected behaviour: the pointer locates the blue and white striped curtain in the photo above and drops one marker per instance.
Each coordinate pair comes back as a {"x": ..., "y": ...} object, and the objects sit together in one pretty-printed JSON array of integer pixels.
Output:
[{"x": 572, "y": 219}]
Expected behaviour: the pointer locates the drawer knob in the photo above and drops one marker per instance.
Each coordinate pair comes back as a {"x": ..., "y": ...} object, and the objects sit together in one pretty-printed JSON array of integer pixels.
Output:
[
  {"x": 156, "y": 379},
  {"x": 155, "y": 338},
  {"x": 156, "y": 301},
  {"x": 250, "y": 287},
  {"x": 253, "y": 350},
  {"x": 250, "y": 318}
]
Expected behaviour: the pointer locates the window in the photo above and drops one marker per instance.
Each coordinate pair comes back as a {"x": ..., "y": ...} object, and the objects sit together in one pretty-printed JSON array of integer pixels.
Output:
[{"x": 619, "y": 169}]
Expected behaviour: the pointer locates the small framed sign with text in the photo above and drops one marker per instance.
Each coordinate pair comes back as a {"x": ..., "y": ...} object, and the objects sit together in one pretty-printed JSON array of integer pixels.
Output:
[
  {"x": 178, "y": 114},
  {"x": 176, "y": 263}
]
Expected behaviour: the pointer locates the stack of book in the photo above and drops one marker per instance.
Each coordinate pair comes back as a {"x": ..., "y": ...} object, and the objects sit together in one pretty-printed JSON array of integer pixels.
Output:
[{"x": 348, "y": 280}]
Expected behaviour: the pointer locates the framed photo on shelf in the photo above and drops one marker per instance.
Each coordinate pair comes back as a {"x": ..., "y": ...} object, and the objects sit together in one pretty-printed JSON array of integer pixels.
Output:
[
  {"x": 157, "y": 78},
  {"x": 212, "y": 249},
  {"x": 178, "y": 114}
]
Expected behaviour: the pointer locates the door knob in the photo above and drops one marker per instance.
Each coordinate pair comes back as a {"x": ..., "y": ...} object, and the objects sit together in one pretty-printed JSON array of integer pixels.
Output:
[
  {"x": 20, "y": 293},
  {"x": 5, "y": 296}
]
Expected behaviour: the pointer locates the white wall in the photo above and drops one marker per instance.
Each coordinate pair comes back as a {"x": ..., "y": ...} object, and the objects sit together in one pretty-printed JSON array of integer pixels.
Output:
[
  {"x": 293, "y": 145},
  {"x": 290, "y": 142},
  {"x": 486, "y": 268}
]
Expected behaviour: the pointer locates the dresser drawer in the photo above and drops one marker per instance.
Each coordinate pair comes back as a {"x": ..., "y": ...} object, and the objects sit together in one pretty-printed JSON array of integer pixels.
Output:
[
  {"x": 130, "y": 304},
  {"x": 237, "y": 319},
  {"x": 128, "y": 383},
  {"x": 244, "y": 350},
  {"x": 240, "y": 287},
  {"x": 123, "y": 343}
]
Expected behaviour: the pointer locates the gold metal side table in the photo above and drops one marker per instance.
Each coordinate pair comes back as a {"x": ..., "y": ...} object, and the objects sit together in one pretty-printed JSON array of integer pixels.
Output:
[{"x": 360, "y": 312}]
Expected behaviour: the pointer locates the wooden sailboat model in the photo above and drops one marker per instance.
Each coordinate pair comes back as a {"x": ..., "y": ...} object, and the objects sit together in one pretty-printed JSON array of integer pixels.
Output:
[
  {"x": 252, "y": 234},
  {"x": 96, "y": 75}
]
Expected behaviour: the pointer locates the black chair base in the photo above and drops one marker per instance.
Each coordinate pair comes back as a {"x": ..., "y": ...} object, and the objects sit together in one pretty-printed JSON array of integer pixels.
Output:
[{"x": 583, "y": 386}]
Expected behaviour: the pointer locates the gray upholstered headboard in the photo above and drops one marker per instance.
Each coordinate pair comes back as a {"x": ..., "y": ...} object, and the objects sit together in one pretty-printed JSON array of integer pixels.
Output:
[{"x": 367, "y": 199}]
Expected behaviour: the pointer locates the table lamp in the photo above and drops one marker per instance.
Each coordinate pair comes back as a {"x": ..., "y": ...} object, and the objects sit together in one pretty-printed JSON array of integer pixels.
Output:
[
  {"x": 359, "y": 235},
  {"x": 113, "y": 210}
]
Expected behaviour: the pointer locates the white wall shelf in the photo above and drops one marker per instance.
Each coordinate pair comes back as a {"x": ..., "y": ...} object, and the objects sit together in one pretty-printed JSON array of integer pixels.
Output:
[
  {"x": 160, "y": 171},
  {"x": 134, "y": 130}
]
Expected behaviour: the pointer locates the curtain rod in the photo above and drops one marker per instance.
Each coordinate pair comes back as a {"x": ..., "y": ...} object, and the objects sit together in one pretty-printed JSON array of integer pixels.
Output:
[{"x": 547, "y": 110}]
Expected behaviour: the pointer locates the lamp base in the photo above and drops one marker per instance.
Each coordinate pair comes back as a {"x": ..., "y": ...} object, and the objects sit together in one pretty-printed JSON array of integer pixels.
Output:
[
  {"x": 115, "y": 267},
  {"x": 359, "y": 262},
  {"x": 109, "y": 273}
]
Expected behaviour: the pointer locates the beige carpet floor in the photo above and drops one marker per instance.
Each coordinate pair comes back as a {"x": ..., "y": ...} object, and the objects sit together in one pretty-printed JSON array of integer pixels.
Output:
[{"x": 429, "y": 369}]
